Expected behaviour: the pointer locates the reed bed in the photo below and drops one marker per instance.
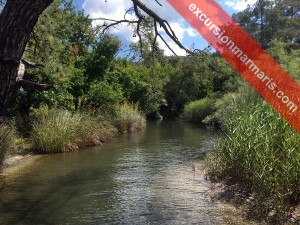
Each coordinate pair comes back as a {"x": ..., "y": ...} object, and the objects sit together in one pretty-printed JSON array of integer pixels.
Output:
[
  {"x": 59, "y": 130},
  {"x": 129, "y": 118},
  {"x": 260, "y": 152}
]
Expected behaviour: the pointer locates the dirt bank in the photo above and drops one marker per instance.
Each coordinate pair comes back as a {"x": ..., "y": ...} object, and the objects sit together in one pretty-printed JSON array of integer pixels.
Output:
[{"x": 13, "y": 164}]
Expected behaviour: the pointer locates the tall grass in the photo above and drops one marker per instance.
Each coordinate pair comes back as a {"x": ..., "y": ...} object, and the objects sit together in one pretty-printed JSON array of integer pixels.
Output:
[
  {"x": 59, "y": 130},
  {"x": 261, "y": 152},
  {"x": 198, "y": 110},
  {"x": 6, "y": 141},
  {"x": 129, "y": 118}
]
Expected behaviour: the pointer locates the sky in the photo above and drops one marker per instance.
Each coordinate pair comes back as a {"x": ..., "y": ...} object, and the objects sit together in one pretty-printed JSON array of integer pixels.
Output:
[{"x": 115, "y": 9}]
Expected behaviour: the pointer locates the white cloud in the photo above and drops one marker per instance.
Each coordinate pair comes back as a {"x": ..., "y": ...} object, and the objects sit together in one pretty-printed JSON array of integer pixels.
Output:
[
  {"x": 110, "y": 10},
  {"x": 239, "y": 5},
  {"x": 115, "y": 9},
  {"x": 173, "y": 46}
]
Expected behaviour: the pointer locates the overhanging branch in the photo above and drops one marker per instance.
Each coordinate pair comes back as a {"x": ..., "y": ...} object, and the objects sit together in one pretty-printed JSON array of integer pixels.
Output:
[{"x": 141, "y": 12}]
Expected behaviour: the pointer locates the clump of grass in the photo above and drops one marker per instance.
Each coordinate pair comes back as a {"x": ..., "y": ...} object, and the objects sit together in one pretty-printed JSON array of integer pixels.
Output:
[
  {"x": 6, "y": 139},
  {"x": 261, "y": 152},
  {"x": 129, "y": 118},
  {"x": 197, "y": 110},
  {"x": 94, "y": 129},
  {"x": 59, "y": 130}
]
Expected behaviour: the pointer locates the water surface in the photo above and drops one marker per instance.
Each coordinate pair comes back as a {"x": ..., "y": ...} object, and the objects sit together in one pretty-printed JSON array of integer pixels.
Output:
[{"x": 150, "y": 177}]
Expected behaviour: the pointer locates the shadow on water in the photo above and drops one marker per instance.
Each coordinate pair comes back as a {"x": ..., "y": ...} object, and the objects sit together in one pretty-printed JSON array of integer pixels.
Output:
[{"x": 150, "y": 177}]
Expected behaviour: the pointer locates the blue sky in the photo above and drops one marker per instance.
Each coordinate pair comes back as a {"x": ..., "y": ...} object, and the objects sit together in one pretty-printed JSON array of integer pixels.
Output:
[{"x": 114, "y": 9}]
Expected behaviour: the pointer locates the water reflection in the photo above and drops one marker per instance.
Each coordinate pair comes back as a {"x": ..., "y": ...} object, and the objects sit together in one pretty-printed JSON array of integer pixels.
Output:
[{"x": 150, "y": 177}]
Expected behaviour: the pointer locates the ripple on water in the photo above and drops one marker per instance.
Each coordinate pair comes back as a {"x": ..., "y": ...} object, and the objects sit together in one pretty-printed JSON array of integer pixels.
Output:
[{"x": 152, "y": 177}]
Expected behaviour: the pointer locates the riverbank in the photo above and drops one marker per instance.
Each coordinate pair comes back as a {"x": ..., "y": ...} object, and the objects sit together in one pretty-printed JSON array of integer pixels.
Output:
[
  {"x": 14, "y": 163},
  {"x": 246, "y": 201},
  {"x": 56, "y": 130},
  {"x": 151, "y": 176}
]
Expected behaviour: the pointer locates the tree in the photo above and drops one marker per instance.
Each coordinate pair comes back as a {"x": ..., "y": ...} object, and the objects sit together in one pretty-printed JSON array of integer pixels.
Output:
[
  {"x": 17, "y": 21},
  {"x": 270, "y": 19},
  {"x": 147, "y": 50}
]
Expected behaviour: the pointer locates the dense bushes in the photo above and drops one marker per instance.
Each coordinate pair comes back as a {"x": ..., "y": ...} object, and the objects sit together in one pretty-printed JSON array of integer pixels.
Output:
[
  {"x": 260, "y": 151},
  {"x": 198, "y": 110}
]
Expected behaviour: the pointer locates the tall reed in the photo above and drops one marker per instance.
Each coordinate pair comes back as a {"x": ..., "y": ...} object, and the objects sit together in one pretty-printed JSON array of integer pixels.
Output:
[
  {"x": 59, "y": 130},
  {"x": 129, "y": 118},
  {"x": 260, "y": 151}
]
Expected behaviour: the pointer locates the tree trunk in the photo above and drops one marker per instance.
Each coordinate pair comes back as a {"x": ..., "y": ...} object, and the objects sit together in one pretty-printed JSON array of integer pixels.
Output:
[{"x": 17, "y": 21}]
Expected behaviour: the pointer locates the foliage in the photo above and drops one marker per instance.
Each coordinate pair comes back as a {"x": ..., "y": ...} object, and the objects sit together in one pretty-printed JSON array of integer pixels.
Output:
[
  {"x": 129, "y": 118},
  {"x": 100, "y": 58},
  {"x": 265, "y": 160},
  {"x": 195, "y": 78},
  {"x": 198, "y": 110},
  {"x": 103, "y": 94},
  {"x": 223, "y": 105},
  {"x": 287, "y": 57},
  {"x": 269, "y": 19},
  {"x": 141, "y": 84},
  {"x": 59, "y": 130}
]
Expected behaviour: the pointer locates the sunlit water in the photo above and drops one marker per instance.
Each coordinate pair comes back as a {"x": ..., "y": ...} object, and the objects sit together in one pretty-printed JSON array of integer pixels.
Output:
[{"x": 150, "y": 177}]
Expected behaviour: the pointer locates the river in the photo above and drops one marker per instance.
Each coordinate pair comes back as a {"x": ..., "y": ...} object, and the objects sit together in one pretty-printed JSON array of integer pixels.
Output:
[{"x": 154, "y": 176}]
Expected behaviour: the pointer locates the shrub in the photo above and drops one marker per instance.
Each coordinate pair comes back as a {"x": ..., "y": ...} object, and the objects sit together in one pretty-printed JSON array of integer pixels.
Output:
[
  {"x": 223, "y": 106},
  {"x": 59, "y": 130},
  {"x": 221, "y": 109},
  {"x": 198, "y": 110},
  {"x": 129, "y": 118}
]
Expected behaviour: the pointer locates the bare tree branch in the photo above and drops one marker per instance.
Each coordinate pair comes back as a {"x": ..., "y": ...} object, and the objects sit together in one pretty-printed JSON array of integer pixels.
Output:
[
  {"x": 141, "y": 10},
  {"x": 31, "y": 64},
  {"x": 159, "y": 35},
  {"x": 158, "y": 2},
  {"x": 163, "y": 24},
  {"x": 138, "y": 8},
  {"x": 140, "y": 19},
  {"x": 36, "y": 86},
  {"x": 26, "y": 83},
  {"x": 129, "y": 10}
]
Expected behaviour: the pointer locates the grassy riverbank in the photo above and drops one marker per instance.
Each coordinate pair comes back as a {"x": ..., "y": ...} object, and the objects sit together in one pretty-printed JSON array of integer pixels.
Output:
[
  {"x": 59, "y": 130},
  {"x": 259, "y": 153}
]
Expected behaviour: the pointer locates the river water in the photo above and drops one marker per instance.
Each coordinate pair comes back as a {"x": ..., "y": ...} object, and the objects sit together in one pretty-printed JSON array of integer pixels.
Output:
[{"x": 150, "y": 177}]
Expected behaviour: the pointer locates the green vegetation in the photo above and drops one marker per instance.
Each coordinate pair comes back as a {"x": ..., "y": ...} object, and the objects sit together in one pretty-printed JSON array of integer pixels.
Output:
[
  {"x": 59, "y": 130},
  {"x": 98, "y": 93},
  {"x": 129, "y": 118},
  {"x": 198, "y": 110},
  {"x": 261, "y": 152},
  {"x": 93, "y": 85}
]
